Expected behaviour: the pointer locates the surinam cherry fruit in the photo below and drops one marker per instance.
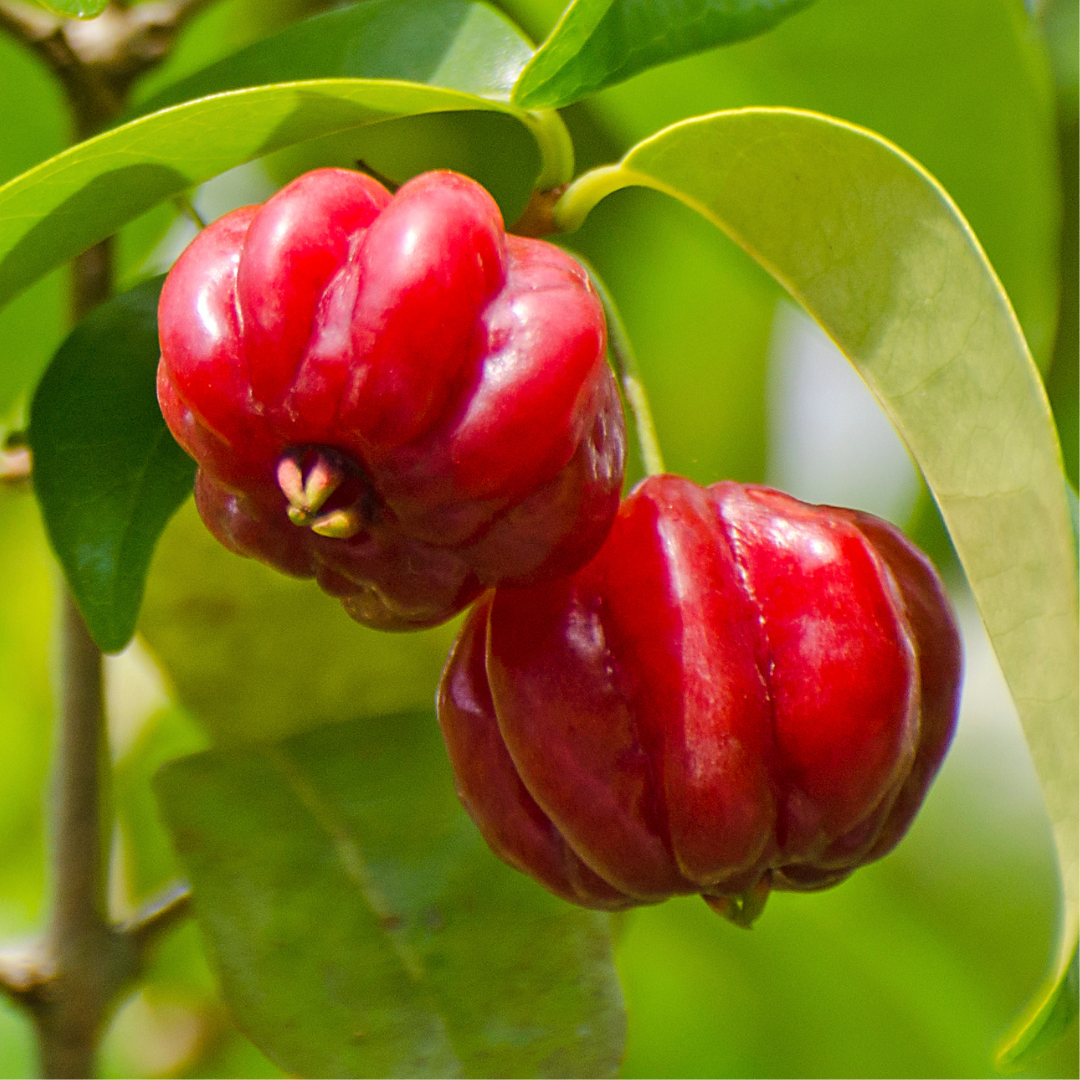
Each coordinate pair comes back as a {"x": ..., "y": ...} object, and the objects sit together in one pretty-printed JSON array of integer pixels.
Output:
[
  {"x": 392, "y": 395},
  {"x": 740, "y": 692}
]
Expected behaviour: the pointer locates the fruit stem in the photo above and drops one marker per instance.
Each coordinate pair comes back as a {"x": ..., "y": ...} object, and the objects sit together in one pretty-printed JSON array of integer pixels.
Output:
[
  {"x": 633, "y": 388},
  {"x": 743, "y": 910},
  {"x": 390, "y": 185},
  {"x": 555, "y": 146},
  {"x": 186, "y": 206}
]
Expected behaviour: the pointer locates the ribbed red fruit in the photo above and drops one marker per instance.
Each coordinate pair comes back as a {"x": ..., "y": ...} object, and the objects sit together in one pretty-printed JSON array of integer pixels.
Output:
[
  {"x": 390, "y": 394},
  {"x": 739, "y": 692}
]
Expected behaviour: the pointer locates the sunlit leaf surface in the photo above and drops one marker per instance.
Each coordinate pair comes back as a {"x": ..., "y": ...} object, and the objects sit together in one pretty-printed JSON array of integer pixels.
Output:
[
  {"x": 879, "y": 255},
  {"x": 361, "y": 927},
  {"x": 73, "y": 200},
  {"x": 597, "y": 43},
  {"x": 456, "y": 44}
]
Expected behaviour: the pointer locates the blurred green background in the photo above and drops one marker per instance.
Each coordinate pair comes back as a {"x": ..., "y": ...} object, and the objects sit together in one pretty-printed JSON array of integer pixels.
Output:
[{"x": 916, "y": 966}]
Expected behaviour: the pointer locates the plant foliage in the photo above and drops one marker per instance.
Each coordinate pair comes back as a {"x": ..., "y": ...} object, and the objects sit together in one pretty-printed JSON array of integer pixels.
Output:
[{"x": 356, "y": 921}]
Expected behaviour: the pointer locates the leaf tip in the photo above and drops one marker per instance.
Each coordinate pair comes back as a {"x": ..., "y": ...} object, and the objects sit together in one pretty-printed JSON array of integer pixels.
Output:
[{"x": 1044, "y": 1021}]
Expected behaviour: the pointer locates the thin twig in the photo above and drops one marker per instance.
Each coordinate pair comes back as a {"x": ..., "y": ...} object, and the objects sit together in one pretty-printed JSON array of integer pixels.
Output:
[
  {"x": 92, "y": 274},
  {"x": 625, "y": 363},
  {"x": 158, "y": 916}
]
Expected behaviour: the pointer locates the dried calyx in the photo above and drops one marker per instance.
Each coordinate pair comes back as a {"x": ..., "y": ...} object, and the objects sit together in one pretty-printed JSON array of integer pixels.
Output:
[{"x": 317, "y": 482}]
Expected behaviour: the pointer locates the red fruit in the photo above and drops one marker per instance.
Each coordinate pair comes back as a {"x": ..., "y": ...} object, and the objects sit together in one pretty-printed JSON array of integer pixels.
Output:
[
  {"x": 390, "y": 394},
  {"x": 739, "y": 692}
]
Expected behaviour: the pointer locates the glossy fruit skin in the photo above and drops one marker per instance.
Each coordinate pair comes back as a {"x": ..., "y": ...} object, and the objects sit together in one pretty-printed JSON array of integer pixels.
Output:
[
  {"x": 739, "y": 692},
  {"x": 451, "y": 377}
]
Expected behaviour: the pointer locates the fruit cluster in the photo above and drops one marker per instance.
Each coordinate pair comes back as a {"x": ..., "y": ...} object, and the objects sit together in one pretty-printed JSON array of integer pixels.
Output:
[
  {"x": 391, "y": 395},
  {"x": 706, "y": 690}
]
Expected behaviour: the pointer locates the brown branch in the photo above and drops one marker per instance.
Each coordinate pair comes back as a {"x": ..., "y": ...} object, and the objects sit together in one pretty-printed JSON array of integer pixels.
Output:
[
  {"x": 97, "y": 60},
  {"x": 79, "y": 980},
  {"x": 20, "y": 977},
  {"x": 71, "y": 988},
  {"x": 78, "y": 846},
  {"x": 92, "y": 99},
  {"x": 15, "y": 465},
  {"x": 87, "y": 964}
]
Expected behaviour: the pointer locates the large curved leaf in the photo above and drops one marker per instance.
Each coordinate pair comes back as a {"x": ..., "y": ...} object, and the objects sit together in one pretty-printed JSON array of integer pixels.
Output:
[
  {"x": 77, "y": 198},
  {"x": 598, "y": 43},
  {"x": 468, "y": 53},
  {"x": 970, "y": 99},
  {"x": 880, "y": 256},
  {"x": 362, "y": 928}
]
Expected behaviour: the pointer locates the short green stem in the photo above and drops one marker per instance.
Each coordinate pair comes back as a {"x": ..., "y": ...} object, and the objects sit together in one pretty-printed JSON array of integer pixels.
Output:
[
  {"x": 556, "y": 148},
  {"x": 586, "y": 191}
]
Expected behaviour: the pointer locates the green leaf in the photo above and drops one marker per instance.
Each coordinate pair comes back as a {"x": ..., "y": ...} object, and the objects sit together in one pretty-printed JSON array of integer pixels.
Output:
[
  {"x": 879, "y": 255},
  {"x": 878, "y": 65},
  {"x": 107, "y": 472},
  {"x": 220, "y": 625},
  {"x": 1047, "y": 1017},
  {"x": 34, "y": 123},
  {"x": 74, "y": 9},
  {"x": 598, "y": 43},
  {"x": 454, "y": 44},
  {"x": 148, "y": 858},
  {"x": 361, "y": 927},
  {"x": 68, "y": 203}
]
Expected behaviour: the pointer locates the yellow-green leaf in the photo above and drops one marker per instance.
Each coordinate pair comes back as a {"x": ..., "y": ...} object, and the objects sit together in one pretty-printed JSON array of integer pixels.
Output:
[
  {"x": 598, "y": 43},
  {"x": 880, "y": 256}
]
